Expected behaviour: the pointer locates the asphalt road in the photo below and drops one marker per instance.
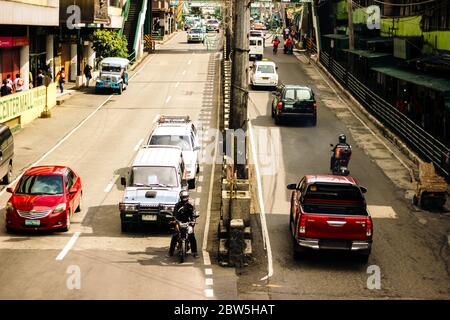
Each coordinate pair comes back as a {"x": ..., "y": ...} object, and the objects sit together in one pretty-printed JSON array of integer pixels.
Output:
[
  {"x": 410, "y": 247},
  {"x": 98, "y": 136}
]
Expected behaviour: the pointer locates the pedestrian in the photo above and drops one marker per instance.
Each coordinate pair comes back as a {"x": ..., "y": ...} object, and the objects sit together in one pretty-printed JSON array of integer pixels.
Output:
[
  {"x": 61, "y": 76},
  {"x": 40, "y": 78},
  {"x": 49, "y": 71},
  {"x": 87, "y": 73},
  {"x": 19, "y": 83},
  {"x": 5, "y": 89},
  {"x": 9, "y": 82}
]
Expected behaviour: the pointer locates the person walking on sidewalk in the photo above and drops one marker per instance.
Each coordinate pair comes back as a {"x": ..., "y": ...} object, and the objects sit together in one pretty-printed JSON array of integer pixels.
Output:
[
  {"x": 9, "y": 82},
  {"x": 61, "y": 76},
  {"x": 87, "y": 73},
  {"x": 40, "y": 78},
  {"x": 5, "y": 89},
  {"x": 19, "y": 83}
]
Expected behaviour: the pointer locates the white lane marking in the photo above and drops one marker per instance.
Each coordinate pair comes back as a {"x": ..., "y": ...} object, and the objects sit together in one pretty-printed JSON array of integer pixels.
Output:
[
  {"x": 265, "y": 232},
  {"x": 366, "y": 126},
  {"x": 184, "y": 72},
  {"x": 111, "y": 183},
  {"x": 168, "y": 99},
  {"x": 209, "y": 293},
  {"x": 138, "y": 145},
  {"x": 68, "y": 135},
  {"x": 68, "y": 246},
  {"x": 177, "y": 84},
  {"x": 190, "y": 61},
  {"x": 199, "y": 189},
  {"x": 209, "y": 281},
  {"x": 382, "y": 212},
  {"x": 156, "y": 118},
  {"x": 208, "y": 271},
  {"x": 60, "y": 142},
  {"x": 197, "y": 202}
]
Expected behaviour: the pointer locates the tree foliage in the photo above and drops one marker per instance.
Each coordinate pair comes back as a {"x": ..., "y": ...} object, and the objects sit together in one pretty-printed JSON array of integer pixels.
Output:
[{"x": 108, "y": 43}]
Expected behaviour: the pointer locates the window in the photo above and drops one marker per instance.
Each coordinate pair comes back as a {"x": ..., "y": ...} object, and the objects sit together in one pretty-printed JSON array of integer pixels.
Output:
[
  {"x": 265, "y": 69},
  {"x": 166, "y": 140},
  {"x": 41, "y": 185},
  {"x": 70, "y": 179},
  {"x": 151, "y": 176},
  {"x": 298, "y": 94},
  {"x": 334, "y": 192}
]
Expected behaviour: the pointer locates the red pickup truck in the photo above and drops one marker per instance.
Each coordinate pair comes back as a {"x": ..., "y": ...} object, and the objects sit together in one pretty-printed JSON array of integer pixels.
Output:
[{"x": 330, "y": 212}]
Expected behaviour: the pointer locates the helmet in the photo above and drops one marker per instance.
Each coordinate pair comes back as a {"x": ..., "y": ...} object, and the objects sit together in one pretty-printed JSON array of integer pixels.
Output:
[
  {"x": 342, "y": 138},
  {"x": 184, "y": 196}
]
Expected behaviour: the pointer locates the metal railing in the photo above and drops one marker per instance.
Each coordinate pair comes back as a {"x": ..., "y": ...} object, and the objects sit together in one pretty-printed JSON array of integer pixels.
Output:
[{"x": 424, "y": 144}]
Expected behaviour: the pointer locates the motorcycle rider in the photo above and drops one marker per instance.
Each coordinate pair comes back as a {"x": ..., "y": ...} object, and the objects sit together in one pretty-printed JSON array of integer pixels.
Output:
[
  {"x": 276, "y": 42},
  {"x": 187, "y": 214},
  {"x": 288, "y": 46},
  {"x": 342, "y": 143}
]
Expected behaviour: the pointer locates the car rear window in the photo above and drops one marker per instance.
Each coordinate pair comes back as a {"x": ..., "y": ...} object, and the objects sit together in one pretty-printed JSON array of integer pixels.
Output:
[
  {"x": 167, "y": 140},
  {"x": 265, "y": 69},
  {"x": 298, "y": 94},
  {"x": 334, "y": 192}
]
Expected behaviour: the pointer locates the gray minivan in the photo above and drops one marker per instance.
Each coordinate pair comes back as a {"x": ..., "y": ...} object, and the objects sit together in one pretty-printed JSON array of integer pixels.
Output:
[{"x": 6, "y": 153}]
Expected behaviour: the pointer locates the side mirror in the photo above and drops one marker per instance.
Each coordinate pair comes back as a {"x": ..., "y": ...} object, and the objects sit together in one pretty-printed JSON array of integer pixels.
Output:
[
  {"x": 196, "y": 148},
  {"x": 292, "y": 186},
  {"x": 10, "y": 190},
  {"x": 331, "y": 145},
  {"x": 73, "y": 190},
  {"x": 276, "y": 67},
  {"x": 123, "y": 181},
  {"x": 363, "y": 189}
]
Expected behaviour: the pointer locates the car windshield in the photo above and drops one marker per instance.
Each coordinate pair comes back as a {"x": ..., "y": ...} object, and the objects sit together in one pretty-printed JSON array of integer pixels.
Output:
[
  {"x": 212, "y": 22},
  {"x": 154, "y": 176},
  {"x": 297, "y": 94},
  {"x": 40, "y": 185},
  {"x": 167, "y": 140},
  {"x": 196, "y": 31},
  {"x": 107, "y": 68},
  {"x": 265, "y": 69}
]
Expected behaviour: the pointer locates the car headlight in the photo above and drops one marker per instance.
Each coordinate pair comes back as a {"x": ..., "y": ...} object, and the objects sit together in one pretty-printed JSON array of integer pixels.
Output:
[
  {"x": 167, "y": 207},
  {"x": 128, "y": 207},
  {"x": 60, "y": 208}
]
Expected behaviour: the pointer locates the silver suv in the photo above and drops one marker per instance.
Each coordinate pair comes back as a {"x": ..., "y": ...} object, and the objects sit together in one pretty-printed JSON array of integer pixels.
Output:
[{"x": 153, "y": 185}]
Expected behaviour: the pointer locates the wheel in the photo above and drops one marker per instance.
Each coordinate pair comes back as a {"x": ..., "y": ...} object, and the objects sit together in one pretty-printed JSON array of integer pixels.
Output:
[
  {"x": 8, "y": 230},
  {"x": 182, "y": 251},
  {"x": 273, "y": 113},
  {"x": 277, "y": 120},
  {"x": 124, "y": 226},
  {"x": 198, "y": 169},
  {"x": 415, "y": 201},
  {"x": 120, "y": 88},
  {"x": 297, "y": 252},
  {"x": 80, "y": 205},
  {"x": 314, "y": 122},
  {"x": 8, "y": 176},
  {"x": 363, "y": 257},
  {"x": 67, "y": 227},
  {"x": 191, "y": 184}
]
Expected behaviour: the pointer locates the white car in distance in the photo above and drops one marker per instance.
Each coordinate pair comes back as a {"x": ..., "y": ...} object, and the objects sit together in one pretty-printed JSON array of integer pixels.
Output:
[{"x": 264, "y": 74}]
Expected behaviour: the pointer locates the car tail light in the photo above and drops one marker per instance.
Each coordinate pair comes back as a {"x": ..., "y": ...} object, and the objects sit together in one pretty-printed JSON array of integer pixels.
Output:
[
  {"x": 280, "y": 105},
  {"x": 315, "y": 106},
  {"x": 369, "y": 227},
  {"x": 302, "y": 228},
  {"x": 338, "y": 152}
]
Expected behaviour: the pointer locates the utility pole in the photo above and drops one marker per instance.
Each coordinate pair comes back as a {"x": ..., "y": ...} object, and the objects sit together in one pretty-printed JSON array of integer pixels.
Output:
[
  {"x": 351, "y": 39},
  {"x": 239, "y": 80}
]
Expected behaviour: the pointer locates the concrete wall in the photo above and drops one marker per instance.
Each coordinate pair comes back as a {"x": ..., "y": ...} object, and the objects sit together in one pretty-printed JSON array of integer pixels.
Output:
[
  {"x": 27, "y": 105},
  {"x": 34, "y": 13}
]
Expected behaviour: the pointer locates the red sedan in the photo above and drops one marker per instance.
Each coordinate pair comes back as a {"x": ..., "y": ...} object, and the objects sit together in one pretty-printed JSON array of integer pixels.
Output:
[{"x": 45, "y": 198}]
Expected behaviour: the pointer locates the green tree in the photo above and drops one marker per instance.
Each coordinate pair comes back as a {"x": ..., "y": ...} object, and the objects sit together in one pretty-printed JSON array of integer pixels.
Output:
[{"x": 108, "y": 43}]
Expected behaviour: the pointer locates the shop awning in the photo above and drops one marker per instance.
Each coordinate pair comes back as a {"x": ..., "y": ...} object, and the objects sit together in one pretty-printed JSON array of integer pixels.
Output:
[
  {"x": 367, "y": 53},
  {"x": 424, "y": 80},
  {"x": 336, "y": 36}
]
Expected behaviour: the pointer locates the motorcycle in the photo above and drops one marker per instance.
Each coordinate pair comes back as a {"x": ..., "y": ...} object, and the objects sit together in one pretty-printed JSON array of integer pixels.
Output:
[
  {"x": 183, "y": 230},
  {"x": 341, "y": 157}
]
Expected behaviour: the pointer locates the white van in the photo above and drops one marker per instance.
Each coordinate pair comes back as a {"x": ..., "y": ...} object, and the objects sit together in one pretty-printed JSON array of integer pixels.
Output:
[{"x": 256, "y": 47}]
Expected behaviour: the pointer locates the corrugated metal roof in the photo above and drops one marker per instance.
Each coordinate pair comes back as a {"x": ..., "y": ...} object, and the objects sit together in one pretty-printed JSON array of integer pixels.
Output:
[
  {"x": 336, "y": 36},
  {"x": 428, "y": 81},
  {"x": 367, "y": 53},
  {"x": 158, "y": 156}
]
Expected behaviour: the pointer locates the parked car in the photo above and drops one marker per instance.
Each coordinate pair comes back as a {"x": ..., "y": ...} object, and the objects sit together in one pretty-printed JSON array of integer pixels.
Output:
[
  {"x": 330, "y": 213},
  {"x": 113, "y": 75},
  {"x": 294, "y": 102},
  {"x": 6, "y": 154},
  {"x": 195, "y": 35},
  {"x": 213, "y": 25},
  {"x": 256, "y": 47},
  {"x": 179, "y": 131},
  {"x": 152, "y": 187},
  {"x": 264, "y": 74},
  {"x": 45, "y": 198}
]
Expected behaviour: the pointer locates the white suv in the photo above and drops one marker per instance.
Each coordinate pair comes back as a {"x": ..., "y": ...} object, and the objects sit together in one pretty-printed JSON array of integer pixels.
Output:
[{"x": 179, "y": 131}]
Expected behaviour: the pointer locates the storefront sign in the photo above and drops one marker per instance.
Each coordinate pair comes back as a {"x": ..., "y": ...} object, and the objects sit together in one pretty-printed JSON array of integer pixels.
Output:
[
  {"x": 14, "y": 41},
  {"x": 19, "y": 104}
]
